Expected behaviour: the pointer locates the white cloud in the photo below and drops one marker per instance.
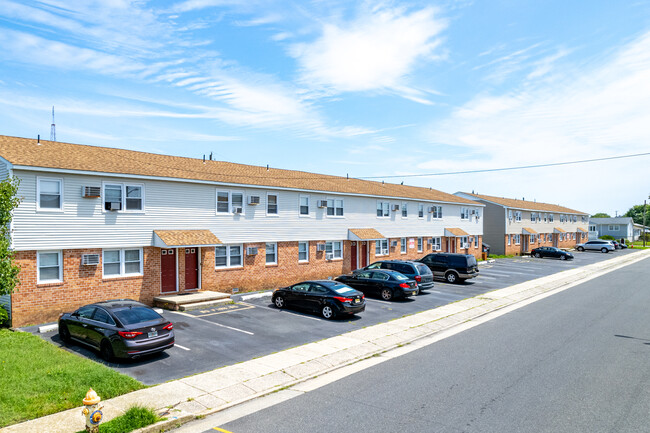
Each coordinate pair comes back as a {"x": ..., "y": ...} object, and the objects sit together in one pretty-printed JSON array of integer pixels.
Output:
[{"x": 376, "y": 51}]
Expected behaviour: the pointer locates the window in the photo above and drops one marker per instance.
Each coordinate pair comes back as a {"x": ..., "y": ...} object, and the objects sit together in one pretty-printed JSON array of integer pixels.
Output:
[
  {"x": 123, "y": 197},
  {"x": 304, "y": 205},
  {"x": 405, "y": 210},
  {"x": 437, "y": 243},
  {"x": 614, "y": 228},
  {"x": 227, "y": 202},
  {"x": 271, "y": 254},
  {"x": 383, "y": 209},
  {"x": 381, "y": 247},
  {"x": 334, "y": 207},
  {"x": 475, "y": 241},
  {"x": 464, "y": 242},
  {"x": 50, "y": 194},
  {"x": 533, "y": 239},
  {"x": 545, "y": 217},
  {"x": 508, "y": 236},
  {"x": 437, "y": 212},
  {"x": 420, "y": 245},
  {"x": 592, "y": 228},
  {"x": 464, "y": 213},
  {"x": 517, "y": 239},
  {"x": 420, "y": 210},
  {"x": 271, "y": 204},
  {"x": 518, "y": 215},
  {"x": 123, "y": 262},
  {"x": 228, "y": 256},
  {"x": 335, "y": 248},
  {"x": 551, "y": 217},
  {"x": 403, "y": 245},
  {"x": 303, "y": 251},
  {"x": 510, "y": 215},
  {"x": 533, "y": 217},
  {"x": 50, "y": 267}
]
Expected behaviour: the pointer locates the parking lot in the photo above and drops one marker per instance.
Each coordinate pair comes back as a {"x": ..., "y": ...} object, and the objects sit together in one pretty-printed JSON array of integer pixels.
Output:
[{"x": 214, "y": 337}]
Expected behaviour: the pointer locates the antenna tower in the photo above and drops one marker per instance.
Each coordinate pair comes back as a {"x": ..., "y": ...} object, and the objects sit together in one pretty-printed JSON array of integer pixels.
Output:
[{"x": 53, "y": 127}]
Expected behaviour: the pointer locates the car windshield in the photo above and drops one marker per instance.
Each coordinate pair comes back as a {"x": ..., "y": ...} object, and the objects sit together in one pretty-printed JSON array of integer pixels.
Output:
[
  {"x": 129, "y": 316},
  {"x": 424, "y": 269}
]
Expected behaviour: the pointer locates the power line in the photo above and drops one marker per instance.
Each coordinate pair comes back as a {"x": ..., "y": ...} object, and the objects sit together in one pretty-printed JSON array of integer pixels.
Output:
[{"x": 521, "y": 167}]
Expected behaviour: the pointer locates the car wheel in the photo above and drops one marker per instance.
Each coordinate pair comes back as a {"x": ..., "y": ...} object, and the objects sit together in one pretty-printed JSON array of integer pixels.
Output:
[
  {"x": 106, "y": 351},
  {"x": 604, "y": 250},
  {"x": 386, "y": 294},
  {"x": 279, "y": 302},
  {"x": 562, "y": 257},
  {"x": 451, "y": 277},
  {"x": 327, "y": 312},
  {"x": 64, "y": 333},
  {"x": 580, "y": 249},
  {"x": 538, "y": 255}
]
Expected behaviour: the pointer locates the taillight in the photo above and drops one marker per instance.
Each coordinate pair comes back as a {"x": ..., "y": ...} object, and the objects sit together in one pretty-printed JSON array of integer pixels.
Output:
[
  {"x": 342, "y": 299},
  {"x": 129, "y": 334},
  {"x": 169, "y": 327},
  {"x": 418, "y": 278},
  {"x": 404, "y": 286}
]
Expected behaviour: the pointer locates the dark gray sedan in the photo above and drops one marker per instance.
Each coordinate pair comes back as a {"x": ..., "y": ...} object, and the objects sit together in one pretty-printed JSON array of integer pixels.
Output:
[
  {"x": 387, "y": 284},
  {"x": 553, "y": 252},
  {"x": 120, "y": 328}
]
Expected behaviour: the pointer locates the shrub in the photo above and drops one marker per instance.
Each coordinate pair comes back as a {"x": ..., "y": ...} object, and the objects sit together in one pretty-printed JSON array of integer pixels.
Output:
[
  {"x": 608, "y": 238},
  {"x": 4, "y": 317}
]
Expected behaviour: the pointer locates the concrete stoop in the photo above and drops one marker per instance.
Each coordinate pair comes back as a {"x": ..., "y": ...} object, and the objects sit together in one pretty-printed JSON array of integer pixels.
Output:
[
  {"x": 191, "y": 301},
  {"x": 200, "y": 395}
]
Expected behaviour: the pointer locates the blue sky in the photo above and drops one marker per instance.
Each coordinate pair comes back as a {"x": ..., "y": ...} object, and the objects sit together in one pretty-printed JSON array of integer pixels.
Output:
[{"x": 361, "y": 88}]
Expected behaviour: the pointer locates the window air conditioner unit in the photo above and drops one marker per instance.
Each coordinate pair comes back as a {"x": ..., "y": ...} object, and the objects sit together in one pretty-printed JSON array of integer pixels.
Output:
[
  {"x": 91, "y": 192},
  {"x": 465, "y": 245},
  {"x": 393, "y": 243},
  {"x": 253, "y": 199},
  {"x": 329, "y": 256},
  {"x": 115, "y": 205},
  {"x": 251, "y": 251},
  {"x": 384, "y": 252},
  {"x": 90, "y": 259},
  {"x": 396, "y": 207},
  {"x": 237, "y": 209},
  {"x": 473, "y": 212},
  {"x": 320, "y": 247},
  {"x": 321, "y": 203}
]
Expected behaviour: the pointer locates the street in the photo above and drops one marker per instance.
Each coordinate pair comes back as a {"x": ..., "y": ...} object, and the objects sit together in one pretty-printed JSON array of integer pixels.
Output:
[{"x": 574, "y": 361}]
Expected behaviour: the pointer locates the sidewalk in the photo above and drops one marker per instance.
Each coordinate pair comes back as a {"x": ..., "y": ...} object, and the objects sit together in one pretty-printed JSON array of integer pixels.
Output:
[{"x": 196, "y": 396}]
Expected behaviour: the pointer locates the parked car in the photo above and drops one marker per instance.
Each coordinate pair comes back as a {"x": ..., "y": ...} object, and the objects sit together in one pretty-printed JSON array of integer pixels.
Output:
[
  {"x": 453, "y": 267},
  {"x": 413, "y": 270},
  {"x": 119, "y": 328},
  {"x": 385, "y": 283},
  {"x": 623, "y": 246},
  {"x": 551, "y": 252},
  {"x": 598, "y": 245},
  {"x": 326, "y": 297},
  {"x": 617, "y": 246}
]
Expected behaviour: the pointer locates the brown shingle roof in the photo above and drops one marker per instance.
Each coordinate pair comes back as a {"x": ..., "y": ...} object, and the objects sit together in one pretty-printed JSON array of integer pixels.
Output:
[
  {"x": 456, "y": 232},
  {"x": 558, "y": 230},
  {"x": 58, "y": 155},
  {"x": 525, "y": 204},
  {"x": 530, "y": 231},
  {"x": 183, "y": 238},
  {"x": 365, "y": 234}
]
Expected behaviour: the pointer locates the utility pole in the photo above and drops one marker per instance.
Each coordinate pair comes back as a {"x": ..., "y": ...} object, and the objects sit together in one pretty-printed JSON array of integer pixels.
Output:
[
  {"x": 644, "y": 231},
  {"x": 53, "y": 127}
]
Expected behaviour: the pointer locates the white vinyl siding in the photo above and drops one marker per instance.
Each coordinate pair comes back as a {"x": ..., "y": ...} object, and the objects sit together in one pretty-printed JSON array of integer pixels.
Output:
[
  {"x": 228, "y": 256},
  {"x": 50, "y": 194},
  {"x": 50, "y": 267},
  {"x": 122, "y": 262}
]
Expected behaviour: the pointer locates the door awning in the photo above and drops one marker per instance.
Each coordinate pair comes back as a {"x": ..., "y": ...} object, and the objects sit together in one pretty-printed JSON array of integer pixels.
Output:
[
  {"x": 455, "y": 232},
  {"x": 558, "y": 230},
  {"x": 184, "y": 238},
  {"x": 364, "y": 235},
  {"x": 529, "y": 231},
  {"x": 580, "y": 229}
]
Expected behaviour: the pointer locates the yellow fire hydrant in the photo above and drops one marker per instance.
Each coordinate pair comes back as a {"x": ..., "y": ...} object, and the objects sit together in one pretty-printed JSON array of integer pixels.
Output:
[{"x": 92, "y": 411}]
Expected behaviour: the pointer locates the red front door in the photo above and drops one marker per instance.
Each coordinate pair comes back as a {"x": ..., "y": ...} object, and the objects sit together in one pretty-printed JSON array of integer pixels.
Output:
[
  {"x": 364, "y": 254},
  {"x": 191, "y": 269},
  {"x": 167, "y": 270},
  {"x": 353, "y": 256}
]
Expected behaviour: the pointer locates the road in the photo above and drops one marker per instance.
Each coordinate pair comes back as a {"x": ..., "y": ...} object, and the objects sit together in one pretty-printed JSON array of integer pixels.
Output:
[{"x": 572, "y": 362}]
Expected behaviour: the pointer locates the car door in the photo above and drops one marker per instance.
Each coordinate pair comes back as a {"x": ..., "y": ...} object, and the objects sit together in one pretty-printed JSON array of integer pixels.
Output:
[
  {"x": 438, "y": 265},
  {"x": 314, "y": 298},
  {"x": 361, "y": 281},
  {"x": 79, "y": 326},
  {"x": 99, "y": 326},
  {"x": 297, "y": 295},
  {"x": 378, "y": 281}
]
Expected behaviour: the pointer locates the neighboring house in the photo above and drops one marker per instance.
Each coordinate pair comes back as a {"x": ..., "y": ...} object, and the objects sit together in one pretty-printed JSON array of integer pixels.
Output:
[
  {"x": 99, "y": 223},
  {"x": 514, "y": 226},
  {"x": 619, "y": 228}
]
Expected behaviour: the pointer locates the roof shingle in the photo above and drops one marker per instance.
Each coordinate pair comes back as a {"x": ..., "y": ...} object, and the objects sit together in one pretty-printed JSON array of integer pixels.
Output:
[{"x": 525, "y": 204}]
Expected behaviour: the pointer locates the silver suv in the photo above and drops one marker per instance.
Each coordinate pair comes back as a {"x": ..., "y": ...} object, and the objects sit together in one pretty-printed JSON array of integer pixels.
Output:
[{"x": 603, "y": 246}]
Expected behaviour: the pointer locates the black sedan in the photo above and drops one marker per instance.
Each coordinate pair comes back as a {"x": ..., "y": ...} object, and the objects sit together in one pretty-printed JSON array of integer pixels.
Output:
[
  {"x": 387, "y": 284},
  {"x": 120, "y": 328},
  {"x": 326, "y": 297},
  {"x": 551, "y": 252}
]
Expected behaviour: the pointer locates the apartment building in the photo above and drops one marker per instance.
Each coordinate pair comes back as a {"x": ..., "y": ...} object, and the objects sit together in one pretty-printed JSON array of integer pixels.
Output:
[
  {"x": 100, "y": 223},
  {"x": 514, "y": 227}
]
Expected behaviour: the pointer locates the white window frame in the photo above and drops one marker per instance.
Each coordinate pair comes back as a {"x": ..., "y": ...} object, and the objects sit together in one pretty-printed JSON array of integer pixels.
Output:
[
  {"x": 300, "y": 205},
  {"x": 230, "y": 201},
  {"x": 518, "y": 216},
  {"x": 334, "y": 208},
  {"x": 510, "y": 217},
  {"x": 124, "y": 186},
  {"x": 403, "y": 245},
  {"x": 464, "y": 240},
  {"x": 277, "y": 204},
  {"x": 381, "y": 251},
  {"x": 421, "y": 210},
  {"x": 533, "y": 238},
  {"x": 475, "y": 241},
  {"x": 229, "y": 255},
  {"x": 437, "y": 212},
  {"x": 405, "y": 210},
  {"x": 275, "y": 253},
  {"x": 38, "y": 267},
  {"x": 38, "y": 194},
  {"x": 330, "y": 248},
  {"x": 385, "y": 209},
  {"x": 517, "y": 239},
  {"x": 464, "y": 213},
  {"x": 306, "y": 260},
  {"x": 533, "y": 217},
  {"x": 436, "y": 243},
  {"x": 614, "y": 228},
  {"x": 551, "y": 217},
  {"x": 420, "y": 245},
  {"x": 122, "y": 252}
]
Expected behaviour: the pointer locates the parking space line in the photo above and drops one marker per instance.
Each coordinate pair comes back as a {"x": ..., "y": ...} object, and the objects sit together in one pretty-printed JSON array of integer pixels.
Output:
[
  {"x": 182, "y": 347},
  {"x": 247, "y": 307},
  {"x": 378, "y": 300},
  {"x": 294, "y": 313},
  {"x": 212, "y": 323}
]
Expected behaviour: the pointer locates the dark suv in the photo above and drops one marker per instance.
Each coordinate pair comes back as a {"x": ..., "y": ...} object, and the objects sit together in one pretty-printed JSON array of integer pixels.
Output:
[
  {"x": 450, "y": 266},
  {"x": 414, "y": 270}
]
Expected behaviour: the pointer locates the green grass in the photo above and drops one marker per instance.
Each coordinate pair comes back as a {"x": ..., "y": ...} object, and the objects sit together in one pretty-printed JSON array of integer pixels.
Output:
[
  {"x": 639, "y": 244},
  {"x": 134, "y": 418},
  {"x": 38, "y": 378},
  {"x": 501, "y": 256}
]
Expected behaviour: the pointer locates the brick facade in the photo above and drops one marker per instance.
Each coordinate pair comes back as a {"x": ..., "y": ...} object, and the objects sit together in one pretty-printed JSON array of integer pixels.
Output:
[{"x": 564, "y": 240}]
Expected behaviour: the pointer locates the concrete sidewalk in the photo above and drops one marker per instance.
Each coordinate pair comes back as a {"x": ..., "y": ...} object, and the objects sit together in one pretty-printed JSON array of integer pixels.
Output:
[{"x": 202, "y": 394}]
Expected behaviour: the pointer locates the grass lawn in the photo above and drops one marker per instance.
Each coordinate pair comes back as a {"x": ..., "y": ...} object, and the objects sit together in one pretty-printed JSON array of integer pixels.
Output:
[
  {"x": 133, "y": 419},
  {"x": 37, "y": 378}
]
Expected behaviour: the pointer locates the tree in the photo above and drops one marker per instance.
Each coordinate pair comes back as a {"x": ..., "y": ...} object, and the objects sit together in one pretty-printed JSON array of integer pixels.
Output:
[
  {"x": 8, "y": 202},
  {"x": 601, "y": 215},
  {"x": 636, "y": 212}
]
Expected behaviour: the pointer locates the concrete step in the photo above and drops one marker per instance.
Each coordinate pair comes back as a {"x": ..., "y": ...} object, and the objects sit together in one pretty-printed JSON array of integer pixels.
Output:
[
  {"x": 204, "y": 304},
  {"x": 174, "y": 302}
]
